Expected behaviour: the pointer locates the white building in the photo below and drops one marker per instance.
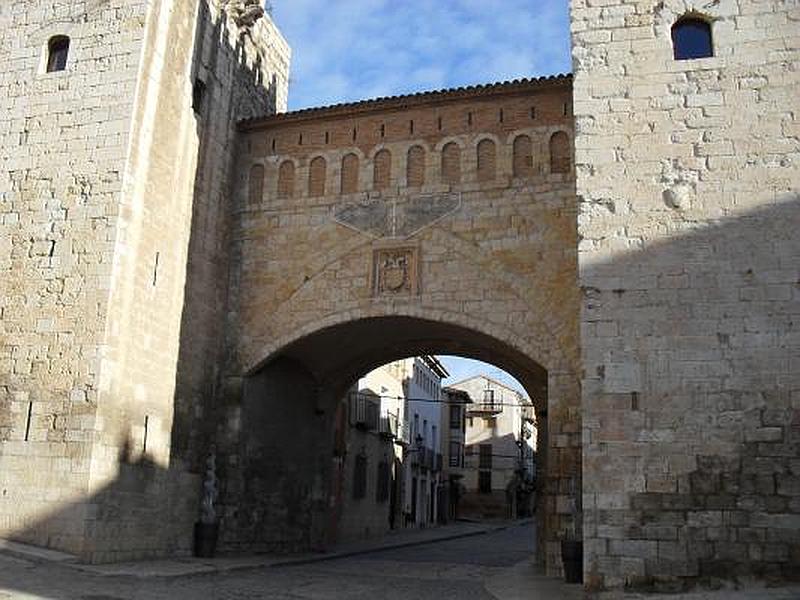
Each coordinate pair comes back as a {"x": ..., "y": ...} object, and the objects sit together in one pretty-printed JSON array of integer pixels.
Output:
[
  {"x": 500, "y": 448},
  {"x": 424, "y": 454}
]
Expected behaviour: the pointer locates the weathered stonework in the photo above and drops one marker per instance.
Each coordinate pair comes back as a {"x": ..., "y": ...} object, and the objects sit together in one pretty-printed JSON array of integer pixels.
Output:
[
  {"x": 105, "y": 169},
  {"x": 172, "y": 280},
  {"x": 411, "y": 260},
  {"x": 688, "y": 175}
]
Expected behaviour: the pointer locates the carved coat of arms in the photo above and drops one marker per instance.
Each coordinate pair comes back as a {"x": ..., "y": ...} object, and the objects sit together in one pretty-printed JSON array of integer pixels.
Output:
[{"x": 395, "y": 271}]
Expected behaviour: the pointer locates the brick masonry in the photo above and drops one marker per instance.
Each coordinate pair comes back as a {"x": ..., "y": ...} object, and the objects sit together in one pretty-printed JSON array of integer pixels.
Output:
[
  {"x": 413, "y": 226},
  {"x": 687, "y": 177}
]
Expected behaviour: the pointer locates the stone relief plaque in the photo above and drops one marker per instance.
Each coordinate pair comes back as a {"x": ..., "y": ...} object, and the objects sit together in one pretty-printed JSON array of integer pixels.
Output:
[
  {"x": 398, "y": 217},
  {"x": 395, "y": 271}
]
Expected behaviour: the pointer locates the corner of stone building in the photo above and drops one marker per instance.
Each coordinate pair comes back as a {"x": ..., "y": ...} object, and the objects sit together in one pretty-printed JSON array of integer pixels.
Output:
[{"x": 101, "y": 393}]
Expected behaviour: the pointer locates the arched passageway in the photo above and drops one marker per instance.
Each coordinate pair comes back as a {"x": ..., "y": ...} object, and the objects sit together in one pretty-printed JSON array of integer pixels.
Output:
[{"x": 278, "y": 479}]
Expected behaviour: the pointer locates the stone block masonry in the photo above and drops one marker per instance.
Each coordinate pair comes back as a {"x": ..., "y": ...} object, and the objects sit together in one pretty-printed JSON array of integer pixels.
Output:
[
  {"x": 375, "y": 231},
  {"x": 688, "y": 174},
  {"x": 101, "y": 164}
]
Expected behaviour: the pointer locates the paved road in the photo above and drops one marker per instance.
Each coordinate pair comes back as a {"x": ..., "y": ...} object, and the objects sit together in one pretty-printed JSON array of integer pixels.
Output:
[{"x": 450, "y": 569}]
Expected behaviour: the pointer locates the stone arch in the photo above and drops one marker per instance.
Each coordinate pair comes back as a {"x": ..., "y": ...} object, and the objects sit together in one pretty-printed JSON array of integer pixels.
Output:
[
  {"x": 255, "y": 184},
  {"x": 317, "y": 174},
  {"x": 522, "y": 160},
  {"x": 415, "y": 166},
  {"x": 496, "y": 344},
  {"x": 560, "y": 153},
  {"x": 349, "y": 173},
  {"x": 382, "y": 169},
  {"x": 286, "y": 172},
  {"x": 486, "y": 154},
  {"x": 451, "y": 163}
]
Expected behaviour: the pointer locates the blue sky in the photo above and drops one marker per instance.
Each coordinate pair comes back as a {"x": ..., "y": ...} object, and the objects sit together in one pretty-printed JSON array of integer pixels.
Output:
[
  {"x": 345, "y": 50},
  {"x": 461, "y": 368}
]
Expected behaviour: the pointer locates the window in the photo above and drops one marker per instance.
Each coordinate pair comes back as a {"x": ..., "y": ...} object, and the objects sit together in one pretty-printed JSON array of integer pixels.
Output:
[
  {"x": 486, "y": 160},
  {"x": 488, "y": 399},
  {"x": 691, "y": 38},
  {"x": 560, "y": 154},
  {"x": 286, "y": 179},
  {"x": 382, "y": 489},
  {"x": 451, "y": 163},
  {"x": 415, "y": 167},
  {"x": 255, "y": 187},
  {"x": 485, "y": 456},
  {"x": 455, "y": 454},
  {"x": 455, "y": 417},
  {"x": 360, "y": 476},
  {"x": 382, "y": 170},
  {"x": 316, "y": 177},
  {"x": 198, "y": 95},
  {"x": 349, "y": 174},
  {"x": 485, "y": 482},
  {"x": 57, "y": 52}
]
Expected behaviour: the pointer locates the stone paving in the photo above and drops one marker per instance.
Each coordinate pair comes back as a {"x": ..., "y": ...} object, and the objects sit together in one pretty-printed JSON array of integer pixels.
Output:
[{"x": 464, "y": 561}]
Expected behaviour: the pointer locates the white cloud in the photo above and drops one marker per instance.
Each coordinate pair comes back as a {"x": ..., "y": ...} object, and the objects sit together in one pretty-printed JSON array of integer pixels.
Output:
[{"x": 353, "y": 49}]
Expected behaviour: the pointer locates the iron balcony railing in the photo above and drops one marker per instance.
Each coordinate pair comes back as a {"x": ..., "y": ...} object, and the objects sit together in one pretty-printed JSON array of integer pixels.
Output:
[
  {"x": 364, "y": 412},
  {"x": 389, "y": 426}
]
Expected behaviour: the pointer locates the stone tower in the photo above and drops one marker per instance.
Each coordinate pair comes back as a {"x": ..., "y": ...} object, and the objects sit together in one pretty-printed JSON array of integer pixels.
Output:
[
  {"x": 687, "y": 176},
  {"x": 116, "y": 124}
]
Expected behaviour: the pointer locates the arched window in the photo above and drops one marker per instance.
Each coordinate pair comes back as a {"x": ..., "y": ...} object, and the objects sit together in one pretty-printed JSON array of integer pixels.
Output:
[
  {"x": 451, "y": 163},
  {"x": 415, "y": 167},
  {"x": 57, "y": 52},
  {"x": 349, "y": 174},
  {"x": 691, "y": 38},
  {"x": 255, "y": 187},
  {"x": 382, "y": 170},
  {"x": 523, "y": 156},
  {"x": 286, "y": 179},
  {"x": 316, "y": 177},
  {"x": 487, "y": 160},
  {"x": 560, "y": 155}
]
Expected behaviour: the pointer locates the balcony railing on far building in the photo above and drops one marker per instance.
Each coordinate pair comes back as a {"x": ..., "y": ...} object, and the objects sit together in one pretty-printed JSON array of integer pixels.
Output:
[{"x": 488, "y": 405}]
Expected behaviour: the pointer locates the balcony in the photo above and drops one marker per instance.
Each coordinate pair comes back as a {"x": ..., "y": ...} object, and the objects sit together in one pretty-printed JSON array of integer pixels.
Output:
[
  {"x": 487, "y": 406},
  {"x": 389, "y": 426},
  {"x": 364, "y": 412}
]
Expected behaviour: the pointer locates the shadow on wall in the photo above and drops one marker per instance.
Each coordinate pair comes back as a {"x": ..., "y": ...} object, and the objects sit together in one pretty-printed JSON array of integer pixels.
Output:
[
  {"x": 150, "y": 507},
  {"x": 730, "y": 393},
  {"x": 695, "y": 407},
  {"x": 735, "y": 512}
]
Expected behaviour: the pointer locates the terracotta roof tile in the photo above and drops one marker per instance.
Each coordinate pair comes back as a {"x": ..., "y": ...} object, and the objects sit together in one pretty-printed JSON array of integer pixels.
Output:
[{"x": 404, "y": 101}]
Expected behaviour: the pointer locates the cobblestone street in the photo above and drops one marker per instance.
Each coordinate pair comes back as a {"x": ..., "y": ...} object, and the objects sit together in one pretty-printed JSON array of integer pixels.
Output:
[{"x": 448, "y": 569}]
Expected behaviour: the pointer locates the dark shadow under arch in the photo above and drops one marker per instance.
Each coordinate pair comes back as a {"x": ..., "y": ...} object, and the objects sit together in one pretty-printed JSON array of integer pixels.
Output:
[
  {"x": 278, "y": 485},
  {"x": 337, "y": 355}
]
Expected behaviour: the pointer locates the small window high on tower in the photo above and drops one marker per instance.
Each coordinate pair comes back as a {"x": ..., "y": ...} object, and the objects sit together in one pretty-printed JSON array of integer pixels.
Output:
[
  {"x": 691, "y": 38},
  {"x": 57, "y": 52}
]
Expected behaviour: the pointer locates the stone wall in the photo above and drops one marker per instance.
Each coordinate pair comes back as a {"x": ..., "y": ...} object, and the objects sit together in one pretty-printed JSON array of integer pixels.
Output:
[
  {"x": 483, "y": 265},
  {"x": 120, "y": 167},
  {"x": 687, "y": 176},
  {"x": 64, "y": 137}
]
